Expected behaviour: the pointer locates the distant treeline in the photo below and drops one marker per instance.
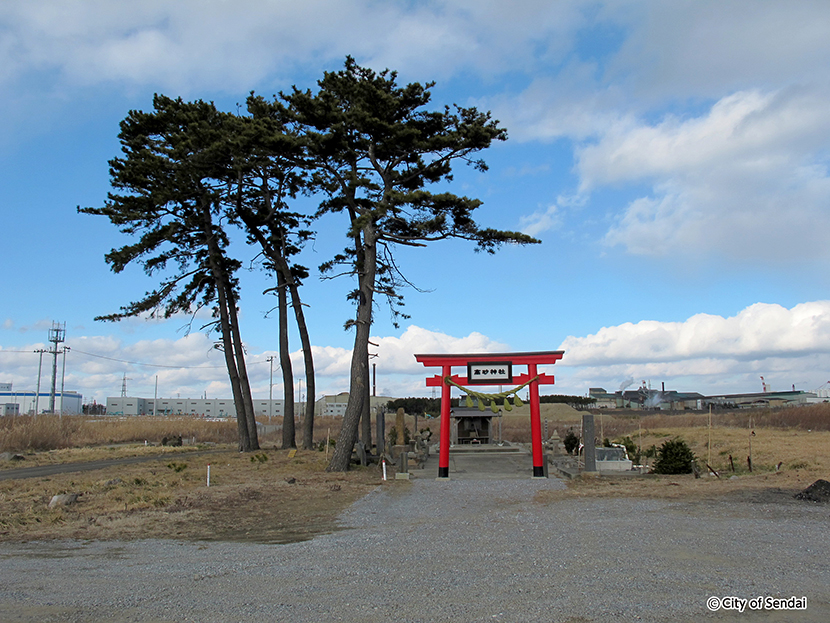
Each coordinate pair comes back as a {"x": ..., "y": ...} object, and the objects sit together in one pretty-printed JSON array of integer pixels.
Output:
[
  {"x": 432, "y": 406},
  {"x": 574, "y": 401}
]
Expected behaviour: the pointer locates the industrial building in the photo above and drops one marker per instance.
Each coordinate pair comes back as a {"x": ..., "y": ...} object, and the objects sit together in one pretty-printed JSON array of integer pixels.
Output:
[
  {"x": 764, "y": 399},
  {"x": 335, "y": 405},
  {"x": 28, "y": 402},
  {"x": 670, "y": 400},
  {"x": 202, "y": 407}
]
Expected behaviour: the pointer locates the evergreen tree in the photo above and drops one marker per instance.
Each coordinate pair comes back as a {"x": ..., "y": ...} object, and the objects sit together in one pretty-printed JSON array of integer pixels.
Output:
[
  {"x": 169, "y": 182},
  {"x": 269, "y": 165},
  {"x": 373, "y": 150},
  {"x": 674, "y": 457}
]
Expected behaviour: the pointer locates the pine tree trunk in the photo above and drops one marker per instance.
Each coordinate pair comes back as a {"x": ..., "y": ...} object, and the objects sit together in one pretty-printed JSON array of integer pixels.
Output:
[
  {"x": 366, "y": 417},
  {"x": 288, "y": 434},
  {"x": 308, "y": 361},
  {"x": 220, "y": 278},
  {"x": 244, "y": 383},
  {"x": 358, "y": 386},
  {"x": 227, "y": 346}
]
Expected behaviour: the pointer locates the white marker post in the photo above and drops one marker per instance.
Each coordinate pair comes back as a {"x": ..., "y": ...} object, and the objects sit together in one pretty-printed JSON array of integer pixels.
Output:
[{"x": 208, "y": 475}]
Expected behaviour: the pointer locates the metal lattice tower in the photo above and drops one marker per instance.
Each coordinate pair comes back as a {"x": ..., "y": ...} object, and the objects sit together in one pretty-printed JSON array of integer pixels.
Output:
[
  {"x": 57, "y": 335},
  {"x": 124, "y": 385}
]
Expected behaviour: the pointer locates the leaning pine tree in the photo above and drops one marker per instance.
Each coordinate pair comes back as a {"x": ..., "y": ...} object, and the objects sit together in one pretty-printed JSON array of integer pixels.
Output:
[
  {"x": 373, "y": 150},
  {"x": 167, "y": 195}
]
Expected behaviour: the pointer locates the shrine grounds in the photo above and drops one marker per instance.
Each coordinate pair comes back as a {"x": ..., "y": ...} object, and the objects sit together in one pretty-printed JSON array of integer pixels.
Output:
[
  {"x": 459, "y": 550},
  {"x": 281, "y": 539}
]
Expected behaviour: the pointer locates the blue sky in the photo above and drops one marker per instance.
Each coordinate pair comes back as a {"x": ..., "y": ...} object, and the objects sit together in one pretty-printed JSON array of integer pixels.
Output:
[{"x": 672, "y": 157}]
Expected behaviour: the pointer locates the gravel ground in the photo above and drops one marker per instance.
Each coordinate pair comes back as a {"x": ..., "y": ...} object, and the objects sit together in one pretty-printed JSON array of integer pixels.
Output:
[{"x": 450, "y": 551}]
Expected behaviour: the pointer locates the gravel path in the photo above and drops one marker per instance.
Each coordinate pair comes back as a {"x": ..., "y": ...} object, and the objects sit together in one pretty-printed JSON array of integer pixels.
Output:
[{"x": 450, "y": 551}]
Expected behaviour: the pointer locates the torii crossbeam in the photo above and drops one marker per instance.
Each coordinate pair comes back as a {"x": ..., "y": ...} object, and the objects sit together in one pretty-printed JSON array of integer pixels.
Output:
[{"x": 491, "y": 369}]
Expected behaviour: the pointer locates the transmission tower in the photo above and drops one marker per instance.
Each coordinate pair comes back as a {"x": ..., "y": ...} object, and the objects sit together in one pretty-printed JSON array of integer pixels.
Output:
[
  {"x": 57, "y": 335},
  {"x": 124, "y": 385}
]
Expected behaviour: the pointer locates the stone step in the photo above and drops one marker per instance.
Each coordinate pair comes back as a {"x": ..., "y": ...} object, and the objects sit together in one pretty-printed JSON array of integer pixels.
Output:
[{"x": 485, "y": 448}]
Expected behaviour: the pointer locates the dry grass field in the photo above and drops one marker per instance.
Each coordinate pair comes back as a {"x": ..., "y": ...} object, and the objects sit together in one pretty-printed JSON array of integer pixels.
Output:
[
  {"x": 264, "y": 497},
  {"x": 50, "y": 432},
  {"x": 27, "y": 434}
]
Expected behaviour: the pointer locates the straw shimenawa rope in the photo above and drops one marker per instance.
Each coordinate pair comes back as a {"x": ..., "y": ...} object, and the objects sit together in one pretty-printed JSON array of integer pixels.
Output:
[{"x": 482, "y": 396}]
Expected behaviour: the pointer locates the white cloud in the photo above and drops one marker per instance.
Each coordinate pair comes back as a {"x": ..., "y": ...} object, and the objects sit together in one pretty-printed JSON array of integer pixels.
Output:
[
  {"x": 541, "y": 221},
  {"x": 40, "y": 326},
  {"x": 720, "y": 111},
  {"x": 761, "y": 330},
  {"x": 791, "y": 346},
  {"x": 705, "y": 353},
  {"x": 570, "y": 105},
  {"x": 746, "y": 180},
  {"x": 188, "y": 44},
  {"x": 398, "y": 373},
  {"x": 190, "y": 365},
  {"x": 758, "y": 132},
  {"x": 178, "y": 45},
  {"x": 679, "y": 50},
  {"x": 397, "y": 353}
]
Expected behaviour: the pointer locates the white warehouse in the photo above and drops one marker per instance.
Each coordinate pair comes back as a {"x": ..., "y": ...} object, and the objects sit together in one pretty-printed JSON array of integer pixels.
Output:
[
  {"x": 27, "y": 402},
  {"x": 223, "y": 407},
  {"x": 202, "y": 407}
]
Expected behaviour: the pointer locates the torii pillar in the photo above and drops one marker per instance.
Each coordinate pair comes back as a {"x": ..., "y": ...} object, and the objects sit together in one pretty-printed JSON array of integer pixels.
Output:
[{"x": 491, "y": 369}]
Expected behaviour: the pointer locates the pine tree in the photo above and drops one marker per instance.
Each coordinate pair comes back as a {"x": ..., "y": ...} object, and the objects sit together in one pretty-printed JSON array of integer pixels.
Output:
[{"x": 373, "y": 149}]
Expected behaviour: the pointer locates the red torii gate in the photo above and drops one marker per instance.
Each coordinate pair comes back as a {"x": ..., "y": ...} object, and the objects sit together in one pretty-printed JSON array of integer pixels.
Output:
[{"x": 491, "y": 369}]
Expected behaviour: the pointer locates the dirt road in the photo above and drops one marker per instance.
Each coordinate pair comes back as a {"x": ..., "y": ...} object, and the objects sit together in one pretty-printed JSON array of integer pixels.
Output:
[{"x": 40, "y": 471}]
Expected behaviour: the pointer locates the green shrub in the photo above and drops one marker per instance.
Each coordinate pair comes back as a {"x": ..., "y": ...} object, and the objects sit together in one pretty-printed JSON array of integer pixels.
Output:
[
  {"x": 630, "y": 447},
  {"x": 674, "y": 457},
  {"x": 571, "y": 442}
]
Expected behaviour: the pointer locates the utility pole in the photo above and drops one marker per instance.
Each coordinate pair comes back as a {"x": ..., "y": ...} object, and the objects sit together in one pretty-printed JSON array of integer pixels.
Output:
[
  {"x": 39, "y": 370},
  {"x": 57, "y": 335},
  {"x": 63, "y": 378}
]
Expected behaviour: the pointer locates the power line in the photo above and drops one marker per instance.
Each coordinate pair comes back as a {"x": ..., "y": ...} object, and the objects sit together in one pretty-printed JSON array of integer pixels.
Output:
[
  {"x": 136, "y": 363},
  {"x": 139, "y": 363},
  {"x": 154, "y": 365}
]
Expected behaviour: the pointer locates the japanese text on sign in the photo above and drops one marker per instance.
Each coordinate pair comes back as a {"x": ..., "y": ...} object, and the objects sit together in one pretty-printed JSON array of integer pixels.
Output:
[{"x": 490, "y": 372}]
